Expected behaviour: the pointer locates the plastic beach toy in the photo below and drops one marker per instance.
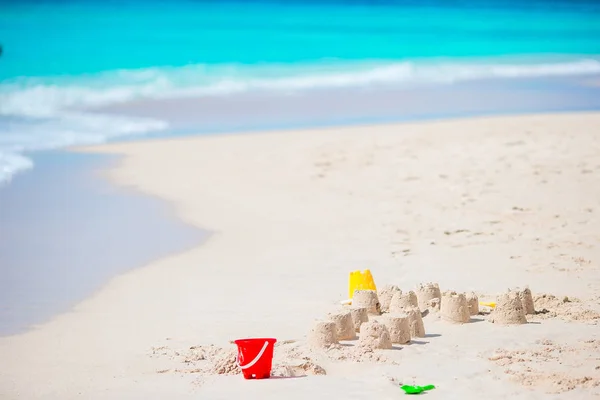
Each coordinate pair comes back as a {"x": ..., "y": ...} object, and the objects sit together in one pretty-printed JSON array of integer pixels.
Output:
[
  {"x": 255, "y": 357},
  {"x": 416, "y": 389},
  {"x": 489, "y": 304},
  {"x": 360, "y": 281}
]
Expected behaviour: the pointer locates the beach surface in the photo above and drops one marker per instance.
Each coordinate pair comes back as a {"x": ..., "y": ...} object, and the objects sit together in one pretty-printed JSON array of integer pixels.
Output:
[{"x": 481, "y": 204}]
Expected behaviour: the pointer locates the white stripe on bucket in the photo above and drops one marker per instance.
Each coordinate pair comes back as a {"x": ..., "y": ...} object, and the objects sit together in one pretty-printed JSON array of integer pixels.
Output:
[{"x": 251, "y": 363}]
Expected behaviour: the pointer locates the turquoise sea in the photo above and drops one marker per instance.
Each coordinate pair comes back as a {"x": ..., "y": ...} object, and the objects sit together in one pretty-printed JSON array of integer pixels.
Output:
[{"x": 87, "y": 71}]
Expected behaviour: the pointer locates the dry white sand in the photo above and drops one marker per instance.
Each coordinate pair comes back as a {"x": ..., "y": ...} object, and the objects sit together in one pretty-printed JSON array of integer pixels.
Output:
[{"x": 476, "y": 204}]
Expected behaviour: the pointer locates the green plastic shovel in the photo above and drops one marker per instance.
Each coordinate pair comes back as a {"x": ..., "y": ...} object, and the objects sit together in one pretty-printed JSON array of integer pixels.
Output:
[{"x": 416, "y": 389}]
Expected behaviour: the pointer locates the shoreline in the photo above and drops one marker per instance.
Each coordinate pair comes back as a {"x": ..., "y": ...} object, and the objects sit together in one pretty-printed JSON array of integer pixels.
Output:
[
  {"x": 293, "y": 212},
  {"x": 68, "y": 231}
]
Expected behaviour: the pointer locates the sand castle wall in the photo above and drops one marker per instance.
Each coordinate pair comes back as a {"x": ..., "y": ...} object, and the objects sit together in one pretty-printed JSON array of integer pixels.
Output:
[
  {"x": 398, "y": 326},
  {"x": 527, "y": 301},
  {"x": 426, "y": 293},
  {"x": 359, "y": 316},
  {"x": 374, "y": 335},
  {"x": 473, "y": 303},
  {"x": 403, "y": 301},
  {"x": 385, "y": 296},
  {"x": 344, "y": 325},
  {"x": 509, "y": 310},
  {"x": 367, "y": 299},
  {"x": 323, "y": 334},
  {"x": 417, "y": 328},
  {"x": 454, "y": 308}
]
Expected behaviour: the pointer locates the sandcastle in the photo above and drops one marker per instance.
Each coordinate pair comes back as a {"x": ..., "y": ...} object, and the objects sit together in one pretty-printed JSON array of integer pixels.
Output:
[
  {"x": 454, "y": 308},
  {"x": 473, "y": 303},
  {"x": 403, "y": 301},
  {"x": 385, "y": 296},
  {"x": 359, "y": 316},
  {"x": 367, "y": 299},
  {"x": 426, "y": 293},
  {"x": 415, "y": 320},
  {"x": 509, "y": 310},
  {"x": 526, "y": 300},
  {"x": 398, "y": 326},
  {"x": 344, "y": 325},
  {"x": 374, "y": 335},
  {"x": 323, "y": 334}
]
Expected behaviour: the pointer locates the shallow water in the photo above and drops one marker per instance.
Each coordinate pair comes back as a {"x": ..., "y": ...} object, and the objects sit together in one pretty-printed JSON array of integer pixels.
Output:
[{"x": 66, "y": 232}]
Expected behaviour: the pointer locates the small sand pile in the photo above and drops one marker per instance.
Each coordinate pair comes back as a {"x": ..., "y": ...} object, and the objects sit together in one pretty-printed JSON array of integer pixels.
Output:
[
  {"x": 323, "y": 334},
  {"x": 344, "y": 325},
  {"x": 385, "y": 296},
  {"x": 509, "y": 310},
  {"x": 417, "y": 329},
  {"x": 567, "y": 308},
  {"x": 225, "y": 364},
  {"x": 359, "y": 316},
  {"x": 374, "y": 335},
  {"x": 455, "y": 308},
  {"x": 403, "y": 301},
  {"x": 301, "y": 368},
  {"x": 527, "y": 301},
  {"x": 426, "y": 293},
  {"x": 367, "y": 299},
  {"x": 473, "y": 303},
  {"x": 398, "y": 326}
]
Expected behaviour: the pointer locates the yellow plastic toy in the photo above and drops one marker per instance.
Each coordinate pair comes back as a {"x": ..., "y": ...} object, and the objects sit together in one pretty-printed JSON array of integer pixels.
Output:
[
  {"x": 490, "y": 304},
  {"x": 360, "y": 281}
]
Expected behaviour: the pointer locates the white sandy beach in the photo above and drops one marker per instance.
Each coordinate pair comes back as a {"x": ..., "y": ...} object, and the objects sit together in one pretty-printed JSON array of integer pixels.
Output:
[{"x": 482, "y": 204}]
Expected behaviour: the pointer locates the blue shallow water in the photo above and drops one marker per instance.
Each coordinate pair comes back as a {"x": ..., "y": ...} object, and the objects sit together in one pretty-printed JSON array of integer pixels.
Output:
[{"x": 62, "y": 58}]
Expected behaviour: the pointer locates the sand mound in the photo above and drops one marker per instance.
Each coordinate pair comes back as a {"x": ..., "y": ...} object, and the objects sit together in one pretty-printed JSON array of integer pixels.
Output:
[
  {"x": 403, "y": 301},
  {"x": 398, "y": 326},
  {"x": 417, "y": 329},
  {"x": 323, "y": 334},
  {"x": 426, "y": 292},
  {"x": 509, "y": 310},
  {"x": 374, "y": 335},
  {"x": 473, "y": 303},
  {"x": 303, "y": 368},
  {"x": 367, "y": 299},
  {"x": 359, "y": 316},
  {"x": 455, "y": 308},
  {"x": 385, "y": 296},
  {"x": 344, "y": 325},
  {"x": 566, "y": 308}
]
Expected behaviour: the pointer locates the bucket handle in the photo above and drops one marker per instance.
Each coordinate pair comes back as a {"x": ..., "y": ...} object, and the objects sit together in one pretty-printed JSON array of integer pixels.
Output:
[{"x": 251, "y": 363}]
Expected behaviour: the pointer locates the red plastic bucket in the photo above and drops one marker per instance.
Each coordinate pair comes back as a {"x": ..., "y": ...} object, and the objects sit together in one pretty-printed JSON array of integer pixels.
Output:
[{"x": 255, "y": 357}]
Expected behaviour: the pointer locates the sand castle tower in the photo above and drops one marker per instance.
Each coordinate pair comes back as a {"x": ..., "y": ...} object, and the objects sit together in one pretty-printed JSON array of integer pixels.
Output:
[
  {"x": 374, "y": 335},
  {"x": 426, "y": 293},
  {"x": 398, "y": 326},
  {"x": 323, "y": 334},
  {"x": 473, "y": 303},
  {"x": 403, "y": 301},
  {"x": 367, "y": 299},
  {"x": 454, "y": 308},
  {"x": 359, "y": 316},
  {"x": 344, "y": 325},
  {"x": 385, "y": 295},
  {"x": 415, "y": 320},
  {"x": 527, "y": 301},
  {"x": 509, "y": 310}
]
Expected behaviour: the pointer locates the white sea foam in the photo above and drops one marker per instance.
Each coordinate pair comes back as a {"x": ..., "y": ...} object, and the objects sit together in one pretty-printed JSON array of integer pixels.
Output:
[{"x": 51, "y": 112}]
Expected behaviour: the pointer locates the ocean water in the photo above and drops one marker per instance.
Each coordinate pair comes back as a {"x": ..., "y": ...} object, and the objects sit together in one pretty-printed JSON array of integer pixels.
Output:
[{"x": 82, "y": 72}]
